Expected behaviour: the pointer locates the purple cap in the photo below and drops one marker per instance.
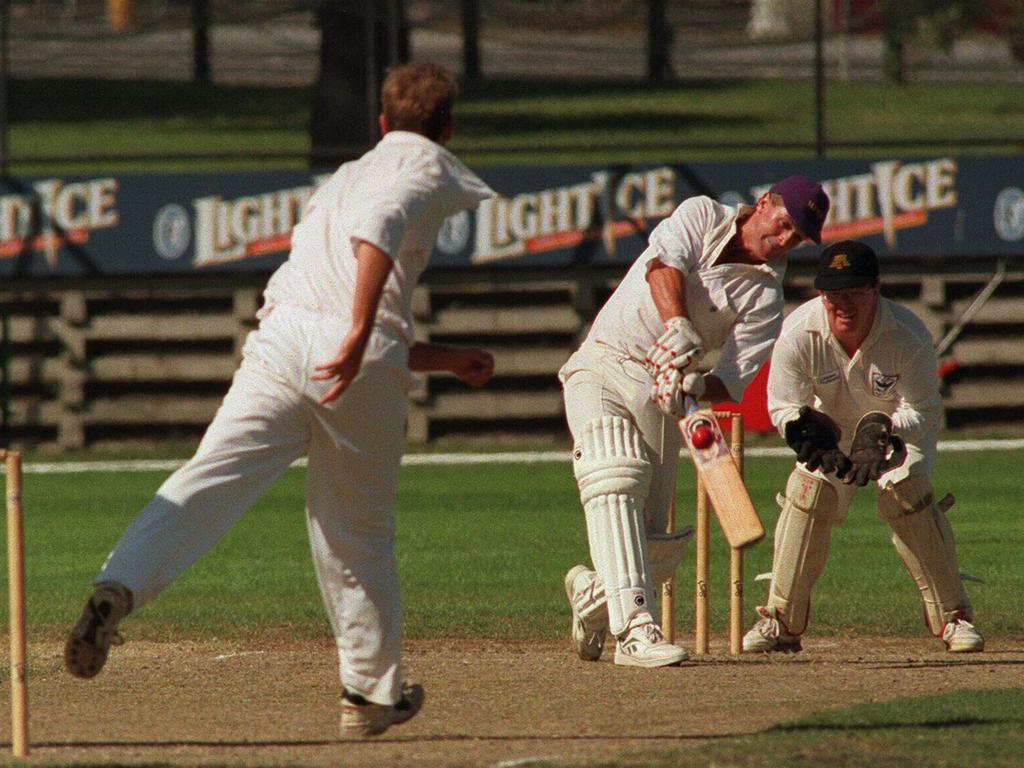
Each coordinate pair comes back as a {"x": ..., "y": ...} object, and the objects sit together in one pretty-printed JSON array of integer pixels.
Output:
[{"x": 806, "y": 203}]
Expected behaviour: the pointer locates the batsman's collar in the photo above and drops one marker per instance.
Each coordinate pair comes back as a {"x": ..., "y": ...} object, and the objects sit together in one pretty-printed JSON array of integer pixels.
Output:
[
  {"x": 846, "y": 264},
  {"x": 806, "y": 203}
]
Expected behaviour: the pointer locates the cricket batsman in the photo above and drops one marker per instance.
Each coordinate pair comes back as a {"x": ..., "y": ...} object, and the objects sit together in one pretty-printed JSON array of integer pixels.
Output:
[
  {"x": 710, "y": 280},
  {"x": 854, "y": 390}
]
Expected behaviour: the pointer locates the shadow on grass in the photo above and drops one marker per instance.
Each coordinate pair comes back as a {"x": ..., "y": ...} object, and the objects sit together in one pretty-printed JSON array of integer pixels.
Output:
[
  {"x": 73, "y": 100},
  {"x": 566, "y": 88},
  {"x": 910, "y": 664},
  {"x": 953, "y": 722},
  {"x": 632, "y": 107},
  {"x": 638, "y": 122}
]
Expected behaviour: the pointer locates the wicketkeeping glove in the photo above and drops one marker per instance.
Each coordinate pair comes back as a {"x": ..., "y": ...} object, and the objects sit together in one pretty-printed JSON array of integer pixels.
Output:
[
  {"x": 680, "y": 347},
  {"x": 874, "y": 445},
  {"x": 812, "y": 435}
]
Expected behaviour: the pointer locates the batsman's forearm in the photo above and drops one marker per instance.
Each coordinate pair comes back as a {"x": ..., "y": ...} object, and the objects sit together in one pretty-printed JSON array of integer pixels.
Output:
[{"x": 668, "y": 290}]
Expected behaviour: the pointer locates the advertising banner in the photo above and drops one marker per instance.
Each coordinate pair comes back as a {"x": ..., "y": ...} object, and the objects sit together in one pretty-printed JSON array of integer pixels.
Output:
[{"x": 134, "y": 224}]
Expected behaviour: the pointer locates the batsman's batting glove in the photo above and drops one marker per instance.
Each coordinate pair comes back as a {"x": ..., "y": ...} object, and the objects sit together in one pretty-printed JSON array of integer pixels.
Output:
[
  {"x": 665, "y": 392},
  {"x": 671, "y": 387},
  {"x": 813, "y": 436},
  {"x": 694, "y": 385},
  {"x": 680, "y": 347},
  {"x": 870, "y": 452}
]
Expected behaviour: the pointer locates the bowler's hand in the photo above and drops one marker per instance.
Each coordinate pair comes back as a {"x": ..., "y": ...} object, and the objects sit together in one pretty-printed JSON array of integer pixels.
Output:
[
  {"x": 473, "y": 366},
  {"x": 342, "y": 369}
]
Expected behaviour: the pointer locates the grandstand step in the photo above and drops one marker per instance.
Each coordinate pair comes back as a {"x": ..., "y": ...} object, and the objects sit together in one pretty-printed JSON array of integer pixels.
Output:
[
  {"x": 985, "y": 394},
  {"x": 480, "y": 320},
  {"x": 490, "y": 404}
]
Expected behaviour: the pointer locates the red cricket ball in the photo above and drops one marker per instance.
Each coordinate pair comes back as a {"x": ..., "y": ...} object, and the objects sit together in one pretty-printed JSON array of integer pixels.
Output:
[{"x": 702, "y": 437}]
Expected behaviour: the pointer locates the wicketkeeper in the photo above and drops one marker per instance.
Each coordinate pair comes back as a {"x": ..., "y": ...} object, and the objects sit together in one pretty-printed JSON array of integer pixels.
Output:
[
  {"x": 854, "y": 390},
  {"x": 709, "y": 281}
]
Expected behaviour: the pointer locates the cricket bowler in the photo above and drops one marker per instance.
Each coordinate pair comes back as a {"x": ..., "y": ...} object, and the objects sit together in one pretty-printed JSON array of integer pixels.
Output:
[{"x": 327, "y": 374}]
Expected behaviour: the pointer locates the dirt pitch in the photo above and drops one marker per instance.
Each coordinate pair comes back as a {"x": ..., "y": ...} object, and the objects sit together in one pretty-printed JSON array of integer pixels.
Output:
[{"x": 488, "y": 703}]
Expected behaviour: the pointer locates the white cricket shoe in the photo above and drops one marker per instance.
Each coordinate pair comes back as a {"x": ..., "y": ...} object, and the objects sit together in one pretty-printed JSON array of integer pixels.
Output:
[
  {"x": 644, "y": 645},
  {"x": 960, "y": 636},
  {"x": 87, "y": 648},
  {"x": 768, "y": 635},
  {"x": 360, "y": 717},
  {"x": 587, "y": 632}
]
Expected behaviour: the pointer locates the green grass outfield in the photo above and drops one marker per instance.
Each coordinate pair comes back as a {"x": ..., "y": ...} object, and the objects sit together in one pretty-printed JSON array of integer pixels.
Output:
[
  {"x": 980, "y": 728},
  {"x": 504, "y": 122},
  {"x": 482, "y": 551}
]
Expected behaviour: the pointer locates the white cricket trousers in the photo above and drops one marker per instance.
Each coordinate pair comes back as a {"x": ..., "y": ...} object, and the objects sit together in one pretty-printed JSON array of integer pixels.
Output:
[
  {"x": 270, "y": 417},
  {"x": 594, "y": 386}
]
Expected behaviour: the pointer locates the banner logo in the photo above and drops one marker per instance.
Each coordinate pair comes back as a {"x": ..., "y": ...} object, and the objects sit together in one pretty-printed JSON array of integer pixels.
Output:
[
  {"x": 247, "y": 227},
  {"x": 172, "y": 231},
  {"x": 454, "y": 233},
  {"x": 893, "y": 196},
  {"x": 1008, "y": 215},
  {"x": 604, "y": 208},
  {"x": 53, "y": 214}
]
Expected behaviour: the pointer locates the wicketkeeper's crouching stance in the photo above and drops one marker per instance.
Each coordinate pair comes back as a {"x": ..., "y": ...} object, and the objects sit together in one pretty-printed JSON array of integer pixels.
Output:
[
  {"x": 326, "y": 373},
  {"x": 854, "y": 390},
  {"x": 710, "y": 280}
]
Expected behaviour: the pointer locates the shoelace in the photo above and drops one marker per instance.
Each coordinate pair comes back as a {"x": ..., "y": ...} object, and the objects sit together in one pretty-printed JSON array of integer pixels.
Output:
[
  {"x": 769, "y": 628},
  {"x": 954, "y": 626},
  {"x": 653, "y": 633}
]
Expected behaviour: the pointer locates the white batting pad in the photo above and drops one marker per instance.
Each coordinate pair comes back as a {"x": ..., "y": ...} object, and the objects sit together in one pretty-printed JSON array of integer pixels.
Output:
[
  {"x": 924, "y": 540},
  {"x": 666, "y": 552},
  {"x": 614, "y": 475},
  {"x": 802, "y": 536}
]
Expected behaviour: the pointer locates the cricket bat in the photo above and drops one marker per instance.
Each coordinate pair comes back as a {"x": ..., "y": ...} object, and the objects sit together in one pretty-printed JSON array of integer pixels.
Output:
[{"x": 721, "y": 477}]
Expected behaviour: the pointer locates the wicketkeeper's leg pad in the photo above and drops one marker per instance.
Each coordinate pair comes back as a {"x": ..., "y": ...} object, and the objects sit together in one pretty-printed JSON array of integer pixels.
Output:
[
  {"x": 614, "y": 474},
  {"x": 924, "y": 540},
  {"x": 802, "y": 536}
]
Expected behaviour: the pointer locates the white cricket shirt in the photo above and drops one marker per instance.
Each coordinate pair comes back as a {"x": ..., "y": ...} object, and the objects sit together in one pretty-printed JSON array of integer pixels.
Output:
[
  {"x": 894, "y": 371},
  {"x": 736, "y": 308},
  {"x": 395, "y": 197}
]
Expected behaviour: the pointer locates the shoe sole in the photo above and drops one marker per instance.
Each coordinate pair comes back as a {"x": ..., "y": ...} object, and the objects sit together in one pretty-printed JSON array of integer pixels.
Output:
[
  {"x": 624, "y": 660},
  {"x": 966, "y": 649},
  {"x": 82, "y": 659},
  {"x": 364, "y": 730},
  {"x": 88, "y": 646},
  {"x": 775, "y": 649}
]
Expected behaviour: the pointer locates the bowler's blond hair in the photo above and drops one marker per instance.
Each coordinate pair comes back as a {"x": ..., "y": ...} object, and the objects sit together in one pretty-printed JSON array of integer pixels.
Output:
[{"x": 419, "y": 98}]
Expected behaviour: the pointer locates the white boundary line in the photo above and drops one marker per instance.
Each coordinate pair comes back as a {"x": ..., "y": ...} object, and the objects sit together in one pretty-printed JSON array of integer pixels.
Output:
[{"x": 458, "y": 459}]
